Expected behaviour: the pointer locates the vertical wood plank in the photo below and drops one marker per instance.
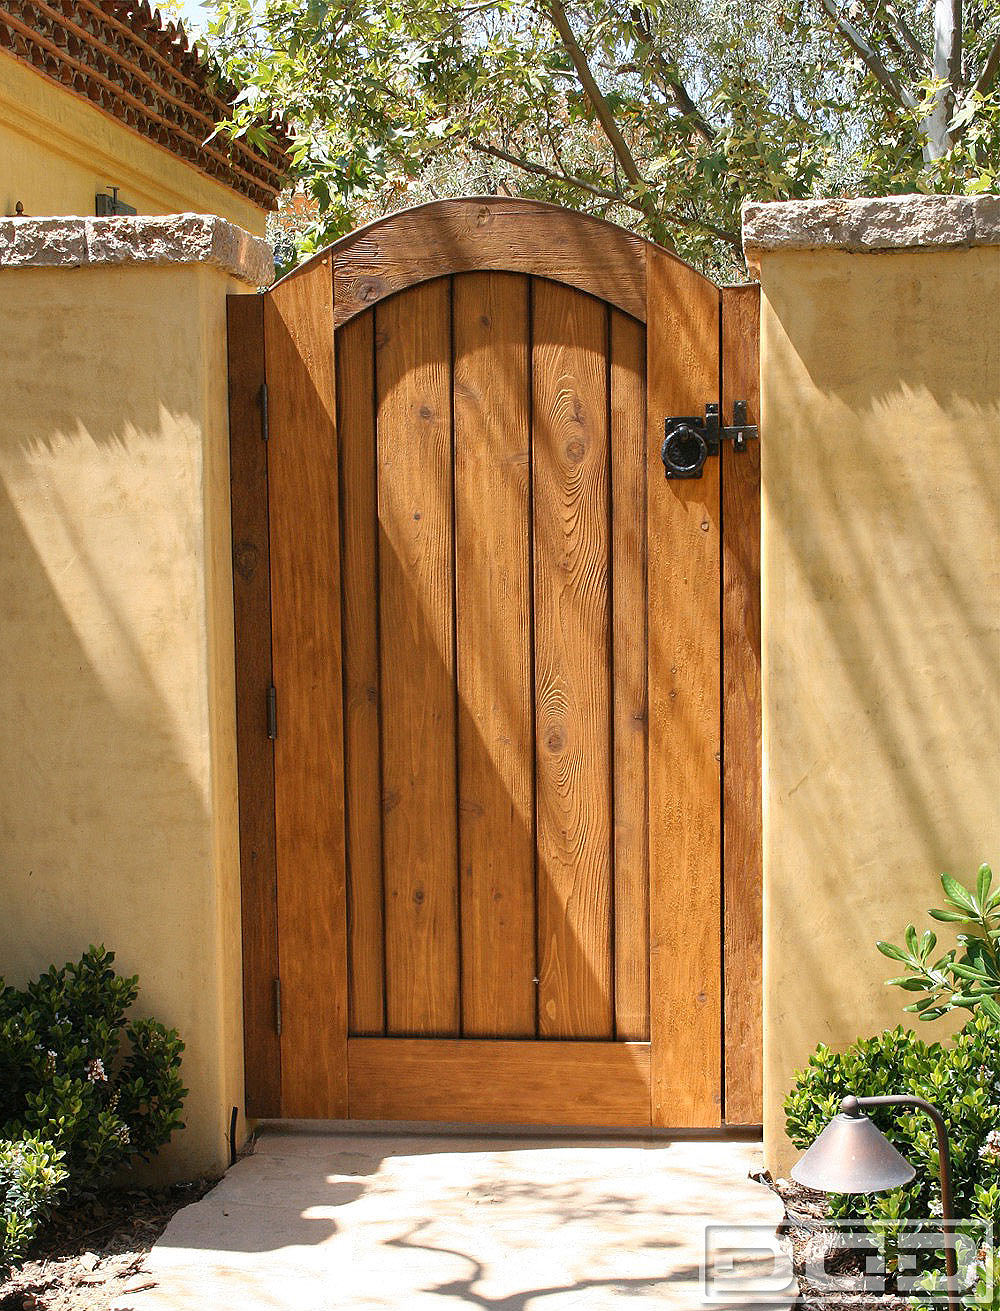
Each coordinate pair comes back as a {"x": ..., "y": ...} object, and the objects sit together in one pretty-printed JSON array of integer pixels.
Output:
[
  {"x": 741, "y": 753},
  {"x": 684, "y": 710},
  {"x": 494, "y": 657},
  {"x": 416, "y": 574},
  {"x": 254, "y": 752},
  {"x": 572, "y": 694},
  {"x": 628, "y": 520},
  {"x": 308, "y": 751},
  {"x": 362, "y": 763}
]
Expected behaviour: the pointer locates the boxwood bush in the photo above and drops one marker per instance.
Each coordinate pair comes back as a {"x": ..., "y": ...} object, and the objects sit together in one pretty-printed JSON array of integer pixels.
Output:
[
  {"x": 961, "y": 1077},
  {"x": 31, "y": 1183},
  {"x": 75, "y": 1072}
]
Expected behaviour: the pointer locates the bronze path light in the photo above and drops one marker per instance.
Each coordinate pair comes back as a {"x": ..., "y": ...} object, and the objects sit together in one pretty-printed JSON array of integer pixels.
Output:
[{"x": 852, "y": 1156}]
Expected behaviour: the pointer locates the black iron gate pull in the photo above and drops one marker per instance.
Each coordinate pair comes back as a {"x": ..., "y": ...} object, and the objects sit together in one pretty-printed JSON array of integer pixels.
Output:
[{"x": 689, "y": 440}]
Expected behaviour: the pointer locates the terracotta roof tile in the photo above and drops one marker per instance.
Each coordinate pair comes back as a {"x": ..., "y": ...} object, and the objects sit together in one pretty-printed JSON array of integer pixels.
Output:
[{"x": 122, "y": 57}]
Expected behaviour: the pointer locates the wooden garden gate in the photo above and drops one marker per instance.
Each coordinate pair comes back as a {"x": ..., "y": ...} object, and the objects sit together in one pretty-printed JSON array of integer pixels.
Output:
[{"x": 489, "y": 664}]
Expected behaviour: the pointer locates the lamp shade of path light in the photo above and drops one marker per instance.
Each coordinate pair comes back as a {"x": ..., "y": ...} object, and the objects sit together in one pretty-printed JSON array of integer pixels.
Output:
[{"x": 852, "y": 1156}]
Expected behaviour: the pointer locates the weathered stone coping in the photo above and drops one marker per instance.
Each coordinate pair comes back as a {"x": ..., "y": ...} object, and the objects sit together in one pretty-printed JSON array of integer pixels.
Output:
[
  {"x": 69, "y": 242},
  {"x": 888, "y": 223}
]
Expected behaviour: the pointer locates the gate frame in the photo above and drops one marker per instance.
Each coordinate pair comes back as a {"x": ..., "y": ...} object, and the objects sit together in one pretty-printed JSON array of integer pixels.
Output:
[{"x": 281, "y": 641}]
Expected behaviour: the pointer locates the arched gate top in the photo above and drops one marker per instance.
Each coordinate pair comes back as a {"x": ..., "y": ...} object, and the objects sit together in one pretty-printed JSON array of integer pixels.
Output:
[{"x": 486, "y": 234}]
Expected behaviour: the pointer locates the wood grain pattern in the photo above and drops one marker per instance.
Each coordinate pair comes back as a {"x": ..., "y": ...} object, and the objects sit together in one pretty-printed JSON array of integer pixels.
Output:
[
  {"x": 494, "y": 656},
  {"x": 684, "y": 712},
  {"x": 489, "y": 233},
  {"x": 308, "y": 751},
  {"x": 254, "y": 751},
  {"x": 416, "y": 574},
  {"x": 629, "y": 640},
  {"x": 572, "y": 692},
  {"x": 362, "y": 753},
  {"x": 742, "y": 855},
  {"x": 556, "y": 1083}
]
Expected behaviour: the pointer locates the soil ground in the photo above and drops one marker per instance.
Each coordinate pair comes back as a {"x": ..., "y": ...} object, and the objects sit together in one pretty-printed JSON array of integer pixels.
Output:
[
  {"x": 813, "y": 1243},
  {"x": 90, "y": 1256}
]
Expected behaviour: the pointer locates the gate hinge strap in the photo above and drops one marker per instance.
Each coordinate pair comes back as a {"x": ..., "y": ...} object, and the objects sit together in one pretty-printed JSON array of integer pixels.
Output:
[
  {"x": 272, "y": 712},
  {"x": 264, "y": 419}
]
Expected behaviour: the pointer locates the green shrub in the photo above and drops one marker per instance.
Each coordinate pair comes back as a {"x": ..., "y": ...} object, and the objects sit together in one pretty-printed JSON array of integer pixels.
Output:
[
  {"x": 970, "y": 980},
  {"x": 31, "y": 1178},
  {"x": 960, "y": 1078},
  {"x": 75, "y": 1072}
]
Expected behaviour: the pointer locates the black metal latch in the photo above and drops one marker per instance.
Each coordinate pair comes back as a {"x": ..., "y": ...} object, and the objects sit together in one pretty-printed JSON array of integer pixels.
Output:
[{"x": 688, "y": 441}]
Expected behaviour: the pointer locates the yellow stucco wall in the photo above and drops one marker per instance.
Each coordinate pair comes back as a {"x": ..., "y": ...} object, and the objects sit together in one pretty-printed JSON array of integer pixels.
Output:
[
  {"x": 118, "y": 811},
  {"x": 881, "y": 612},
  {"x": 57, "y": 151}
]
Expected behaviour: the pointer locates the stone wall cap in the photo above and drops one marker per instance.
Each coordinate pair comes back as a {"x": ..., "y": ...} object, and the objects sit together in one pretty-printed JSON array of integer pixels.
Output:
[
  {"x": 162, "y": 239},
  {"x": 916, "y": 222}
]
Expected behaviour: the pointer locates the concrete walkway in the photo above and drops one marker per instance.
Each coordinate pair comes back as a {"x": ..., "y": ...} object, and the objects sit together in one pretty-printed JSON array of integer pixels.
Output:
[{"x": 331, "y": 1221}]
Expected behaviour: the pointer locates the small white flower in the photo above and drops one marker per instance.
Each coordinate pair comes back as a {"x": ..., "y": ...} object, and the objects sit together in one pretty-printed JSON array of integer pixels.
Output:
[
  {"x": 990, "y": 1150},
  {"x": 95, "y": 1071}
]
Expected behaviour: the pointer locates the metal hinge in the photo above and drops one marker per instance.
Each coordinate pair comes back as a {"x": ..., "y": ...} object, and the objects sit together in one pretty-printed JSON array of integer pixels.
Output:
[
  {"x": 688, "y": 440},
  {"x": 272, "y": 712},
  {"x": 277, "y": 1007},
  {"x": 264, "y": 424}
]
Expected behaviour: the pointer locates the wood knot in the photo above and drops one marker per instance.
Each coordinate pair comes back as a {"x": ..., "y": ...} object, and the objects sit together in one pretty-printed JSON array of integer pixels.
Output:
[
  {"x": 419, "y": 896},
  {"x": 575, "y": 451},
  {"x": 556, "y": 739},
  {"x": 245, "y": 557},
  {"x": 370, "y": 290},
  {"x": 426, "y": 412}
]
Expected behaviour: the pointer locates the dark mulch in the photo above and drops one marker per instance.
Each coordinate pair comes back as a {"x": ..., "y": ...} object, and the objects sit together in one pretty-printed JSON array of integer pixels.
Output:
[
  {"x": 91, "y": 1256},
  {"x": 830, "y": 1275}
]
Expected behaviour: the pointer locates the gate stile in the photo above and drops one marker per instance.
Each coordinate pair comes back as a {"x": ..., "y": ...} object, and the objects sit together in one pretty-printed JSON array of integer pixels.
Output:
[{"x": 498, "y": 879}]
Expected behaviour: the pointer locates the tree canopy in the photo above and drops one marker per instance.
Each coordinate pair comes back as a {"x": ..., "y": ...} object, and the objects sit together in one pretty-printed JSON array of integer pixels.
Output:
[{"x": 663, "y": 116}]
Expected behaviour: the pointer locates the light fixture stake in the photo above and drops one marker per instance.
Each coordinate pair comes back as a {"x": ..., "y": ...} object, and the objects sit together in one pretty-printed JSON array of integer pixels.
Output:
[{"x": 854, "y": 1106}]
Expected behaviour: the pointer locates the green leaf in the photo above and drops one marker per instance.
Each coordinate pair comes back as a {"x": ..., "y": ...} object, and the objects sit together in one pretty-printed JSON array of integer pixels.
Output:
[
  {"x": 892, "y": 951},
  {"x": 983, "y": 881},
  {"x": 959, "y": 896},
  {"x": 911, "y": 984}
]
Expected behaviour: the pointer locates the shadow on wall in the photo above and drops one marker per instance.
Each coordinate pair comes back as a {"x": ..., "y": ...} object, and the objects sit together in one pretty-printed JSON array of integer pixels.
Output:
[
  {"x": 881, "y": 583},
  {"x": 104, "y": 773}
]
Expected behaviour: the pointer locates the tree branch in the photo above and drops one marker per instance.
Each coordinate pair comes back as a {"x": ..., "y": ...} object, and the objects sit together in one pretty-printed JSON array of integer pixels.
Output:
[
  {"x": 871, "y": 60},
  {"x": 673, "y": 85},
  {"x": 947, "y": 70},
  {"x": 616, "y": 197},
  {"x": 554, "y": 175},
  {"x": 985, "y": 80},
  {"x": 907, "y": 34},
  {"x": 948, "y": 41},
  {"x": 593, "y": 93}
]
